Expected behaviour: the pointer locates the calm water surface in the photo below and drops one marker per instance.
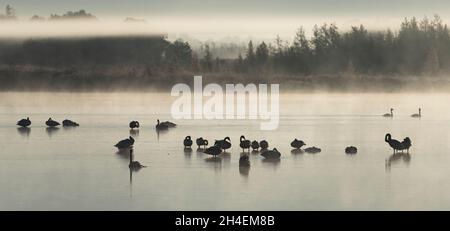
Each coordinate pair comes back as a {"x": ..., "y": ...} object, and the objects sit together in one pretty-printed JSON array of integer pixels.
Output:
[{"x": 79, "y": 169}]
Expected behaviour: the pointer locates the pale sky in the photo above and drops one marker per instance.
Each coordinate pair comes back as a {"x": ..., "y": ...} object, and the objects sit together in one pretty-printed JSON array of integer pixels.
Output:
[{"x": 209, "y": 19}]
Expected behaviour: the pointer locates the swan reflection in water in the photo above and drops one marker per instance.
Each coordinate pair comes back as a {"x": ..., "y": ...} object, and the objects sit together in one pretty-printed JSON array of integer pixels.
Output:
[
  {"x": 51, "y": 131},
  {"x": 187, "y": 152},
  {"x": 297, "y": 151},
  {"x": 134, "y": 133},
  {"x": 216, "y": 162},
  {"x": 160, "y": 132},
  {"x": 397, "y": 158},
  {"x": 24, "y": 131}
]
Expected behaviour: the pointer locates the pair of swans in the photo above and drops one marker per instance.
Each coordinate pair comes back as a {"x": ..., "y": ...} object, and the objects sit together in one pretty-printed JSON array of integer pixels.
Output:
[{"x": 391, "y": 114}]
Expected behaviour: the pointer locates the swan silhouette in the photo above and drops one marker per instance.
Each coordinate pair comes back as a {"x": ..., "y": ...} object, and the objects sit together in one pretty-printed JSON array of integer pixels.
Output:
[
  {"x": 389, "y": 114},
  {"x": 24, "y": 122},
  {"x": 169, "y": 124},
  {"x": 161, "y": 126},
  {"x": 244, "y": 161},
  {"x": 214, "y": 151},
  {"x": 69, "y": 123},
  {"x": 313, "y": 150},
  {"x": 297, "y": 144},
  {"x": 187, "y": 142},
  {"x": 395, "y": 144},
  {"x": 351, "y": 150},
  {"x": 134, "y": 124},
  {"x": 417, "y": 115},
  {"x": 264, "y": 145},
  {"x": 201, "y": 142},
  {"x": 244, "y": 143},
  {"x": 255, "y": 145},
  {"x": 52, "y": 123},
  {"x": 126, "y": 143},
  {"x": 223, "y": 144},
  {"x": 271, "y": 154},
  {"x": 134, "y": 164}
]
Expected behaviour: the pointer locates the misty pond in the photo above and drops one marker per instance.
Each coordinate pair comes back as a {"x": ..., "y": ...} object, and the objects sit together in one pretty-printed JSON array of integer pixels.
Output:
[{"x": 80, "y": 169}]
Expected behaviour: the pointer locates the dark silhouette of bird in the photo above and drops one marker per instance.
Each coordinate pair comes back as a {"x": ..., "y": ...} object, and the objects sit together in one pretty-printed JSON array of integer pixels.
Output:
[
  {"x": 313, "y": 150},
  {"x": 394, "y": 144},
  {"x": 244, "y": 161},
  {"x": 161, "y": 126},
  {"x": 255, "y": 145},
  {"x": 134, "y": 124},
  {"x": 351, "y": 150},
  {"x": 417, "y": 115},
  {"x": 389, "y": 114},
  {"x": 264, "y": 145},
  {"x": 24, "y": 122},
  {"x": 69, "y": 123},
  {"x": 52, "y": 123},
  {"x": 126, "y": 143},
  {"x": 244, "y": 143},
  {"x": 134, "y": 164},
  {"x": 297, "y": 144},
  {"x": 213, "y": 150},
  {"x": 406, "y": 143},
  {"x": 223, "y": 144},
  {"x": 201, "y": 142},
  {"x": 187, "y": 142},
  {"x": 271, "y": 154},
  {"x": 169, "y": 124}
]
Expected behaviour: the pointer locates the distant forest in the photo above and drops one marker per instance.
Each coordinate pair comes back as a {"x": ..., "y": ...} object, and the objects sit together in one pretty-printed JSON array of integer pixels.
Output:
[{"x": 419, "y": 50}]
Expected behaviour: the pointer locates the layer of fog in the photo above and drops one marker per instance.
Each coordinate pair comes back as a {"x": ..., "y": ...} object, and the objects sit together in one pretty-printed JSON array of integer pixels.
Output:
[{"x": 219, "y": 29}]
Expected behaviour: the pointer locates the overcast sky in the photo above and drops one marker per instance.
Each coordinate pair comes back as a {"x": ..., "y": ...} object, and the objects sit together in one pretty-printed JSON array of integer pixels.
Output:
[
  {"x": 207, "y": 19},
  {"x": 149, "y": 8}
]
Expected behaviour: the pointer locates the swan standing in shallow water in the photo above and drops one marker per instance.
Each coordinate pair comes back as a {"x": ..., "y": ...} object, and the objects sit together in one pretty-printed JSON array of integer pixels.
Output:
[
  {"x": 389, "y": 114},
  {"x": 52, "y": 123},
  {"x": 297, "y": 144},
  {"x": 126, "y": 143},
  {"x": 397, "y": 145},
  {"x": 24, "y": 122},
  {"x": 187, "y": 142},
  {"x": 244, "y": 143},
  {"x": 134, "y": 124},
  {"x": 223, "y": 144},
  {"x": 417, "y": 115},
  {"x": 264, "y": 145},
  {"x": 255, "y": 145},
  {"x": 201, "y": 142}
]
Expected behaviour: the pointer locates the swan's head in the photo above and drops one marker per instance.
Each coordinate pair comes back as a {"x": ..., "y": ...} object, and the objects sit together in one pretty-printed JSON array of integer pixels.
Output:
[
  {"x": 227, "y": 138},
  {"x": 387, "y": 138},
  {"x": 242, "y": 138},
  {"x": 28, "y": 118},
  {"x": 187, "y": 138}
]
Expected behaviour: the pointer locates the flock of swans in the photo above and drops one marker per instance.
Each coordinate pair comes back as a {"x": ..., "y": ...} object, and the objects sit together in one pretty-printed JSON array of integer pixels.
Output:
[{"x": 220, "y": 146}]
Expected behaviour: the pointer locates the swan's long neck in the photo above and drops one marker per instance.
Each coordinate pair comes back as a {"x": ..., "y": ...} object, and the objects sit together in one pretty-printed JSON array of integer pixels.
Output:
[{"x": 387, "y": 138}]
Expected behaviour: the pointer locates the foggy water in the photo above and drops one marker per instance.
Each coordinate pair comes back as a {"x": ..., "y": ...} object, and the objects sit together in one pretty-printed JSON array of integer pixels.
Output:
[{"x": 79, "y": 169}]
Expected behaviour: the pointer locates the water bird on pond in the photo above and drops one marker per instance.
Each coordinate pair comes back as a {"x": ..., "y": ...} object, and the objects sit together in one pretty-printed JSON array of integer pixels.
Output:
[
  {"x": 351, "y": 150},
  {"x": 397, "y": 145},
  {"x": 223, "y": 144},
  {"x": 134, "y": 124},
  {"x": 255, "y": 145},
  {"x": 264, "y": 145},
  {"x": 52, "y": 123},
  {"x": 417, "y": 115},
  {"x": 244, "y": 161},
  {"x": 24, "y": 122},
  {"x": 214, "y": 151},
  {"x": 161, "y": 126},
  {"x": 313, "y": 150},
  {"x": 297, "y": 144},
  {"x": 187, "y": 142},
  {"x": 126, "y": 143},
  {"x": 244, "y": 143},
  {"x": 389, "y": 114},
  {"x": 201, "y": 142},
  {"x": 69, "y": 123},
  {"x": 271, "y": 154},
  {"x": 169, "y": 124},
  {"x": 134, "y": 164}
]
